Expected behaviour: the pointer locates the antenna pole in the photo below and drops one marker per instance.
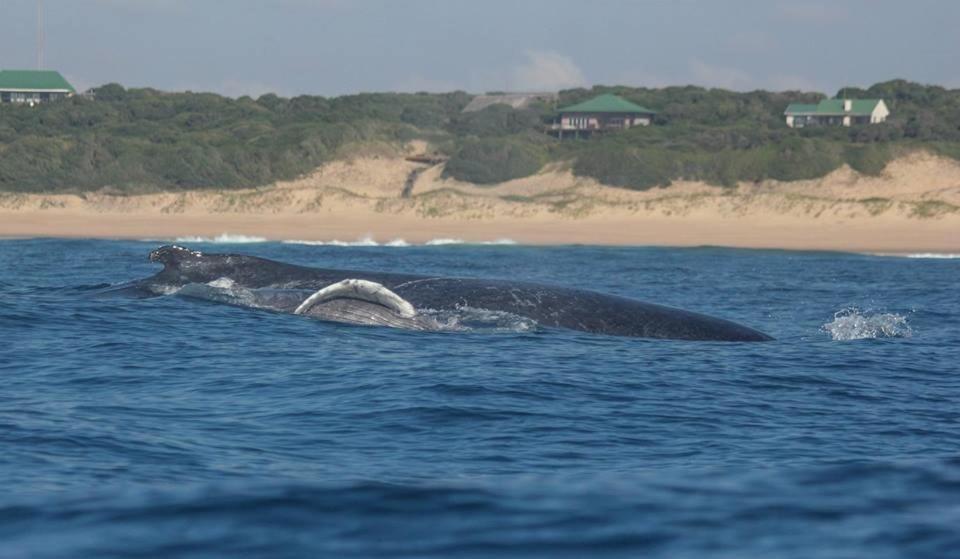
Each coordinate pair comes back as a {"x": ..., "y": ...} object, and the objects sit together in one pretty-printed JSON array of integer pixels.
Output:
[{"x": 39, "y": 34}]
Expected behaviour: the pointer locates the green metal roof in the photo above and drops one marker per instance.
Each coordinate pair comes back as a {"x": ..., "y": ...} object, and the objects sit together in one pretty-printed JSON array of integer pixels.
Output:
[
  {"x": 34, "y": 80},
  {"x": 795, "y": 108},
  {"x": 834, "y": 107},
  {"x": 607, "y": 103}
]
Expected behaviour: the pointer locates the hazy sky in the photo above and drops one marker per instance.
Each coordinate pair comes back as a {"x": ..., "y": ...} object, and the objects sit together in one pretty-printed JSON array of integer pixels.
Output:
[{"x": 331, "y": 47}]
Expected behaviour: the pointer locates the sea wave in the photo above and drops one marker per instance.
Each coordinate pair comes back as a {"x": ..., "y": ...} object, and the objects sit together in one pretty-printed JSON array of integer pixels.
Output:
[
  {"x": 931, "y": 255},
  {"x": 369, "y": 241},
  {"x": 223, "y": 238},
  {"x": 855, "y": 324},
  {"x": 445, "y": 241}
]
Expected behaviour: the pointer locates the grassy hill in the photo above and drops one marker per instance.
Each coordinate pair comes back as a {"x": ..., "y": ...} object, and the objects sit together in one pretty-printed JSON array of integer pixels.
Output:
[{"x": 140, "y": 140}]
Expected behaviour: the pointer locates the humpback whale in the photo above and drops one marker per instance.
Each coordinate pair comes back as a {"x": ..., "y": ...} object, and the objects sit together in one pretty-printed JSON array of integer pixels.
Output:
[{"x": 417, "y": 302}]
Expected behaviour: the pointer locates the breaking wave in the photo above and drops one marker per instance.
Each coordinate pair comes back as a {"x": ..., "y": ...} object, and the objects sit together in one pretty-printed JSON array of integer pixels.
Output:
[
  {"x": 224, "y": 238},
  {"x": 937, "y": 255},
  {"x": 369, "y": 241},
  {"x": 930, "y": 255},
  {"x": 365, "y": 241},
  {"x": 854, "y": 324},
  {"x": 440, "y": 242}
]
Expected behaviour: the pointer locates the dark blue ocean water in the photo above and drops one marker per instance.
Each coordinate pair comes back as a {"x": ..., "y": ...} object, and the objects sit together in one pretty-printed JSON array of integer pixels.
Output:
[{"x": 171, "y": 427}]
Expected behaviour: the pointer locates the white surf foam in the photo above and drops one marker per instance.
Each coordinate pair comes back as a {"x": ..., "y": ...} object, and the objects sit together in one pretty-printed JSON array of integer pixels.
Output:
[
  {"x": 440, "y": 242},
  {"x": 367, "y": 241},
  {"x": 933, "y": 255},
  {"x": 396, "y": 243},
  {"x": 223, "y": 238},
  {"x": 854, "y": 324}
]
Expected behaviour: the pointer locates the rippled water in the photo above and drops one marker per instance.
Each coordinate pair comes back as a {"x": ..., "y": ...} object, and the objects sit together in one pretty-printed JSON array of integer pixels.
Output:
[{"x": 172, "y": 427}]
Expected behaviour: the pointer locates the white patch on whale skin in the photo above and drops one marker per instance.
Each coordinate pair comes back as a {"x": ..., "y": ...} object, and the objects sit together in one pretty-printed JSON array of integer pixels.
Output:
[
  {"x": 222, "y": 283},
  {"x": 165, "y": 289},
  {"x": 363, "y": 290}
]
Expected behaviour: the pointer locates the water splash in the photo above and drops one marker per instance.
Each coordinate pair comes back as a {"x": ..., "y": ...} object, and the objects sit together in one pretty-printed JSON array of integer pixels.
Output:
[{"x": 854, "y": 324}]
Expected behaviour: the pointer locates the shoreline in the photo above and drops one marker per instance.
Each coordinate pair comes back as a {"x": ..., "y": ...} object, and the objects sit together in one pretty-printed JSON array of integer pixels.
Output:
[
  {"x": 892, "y": 236},
  {"x": 912, "y": 207}
]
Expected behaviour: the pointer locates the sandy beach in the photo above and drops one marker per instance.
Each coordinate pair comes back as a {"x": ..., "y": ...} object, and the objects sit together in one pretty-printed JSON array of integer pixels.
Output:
[{"x": 914, "y": 206}]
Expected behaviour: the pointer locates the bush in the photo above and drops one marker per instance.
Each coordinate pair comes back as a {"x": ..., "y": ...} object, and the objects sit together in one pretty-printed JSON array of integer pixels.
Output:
[
  {"x": 144, "y": 139},
  {"x": 495, "y": 120},
  {"x": 493, "y": 160},
  {"x": 628, "y": 167},
  {"x": 870, "y": 159},
  {"x": 801, "y": 158}
]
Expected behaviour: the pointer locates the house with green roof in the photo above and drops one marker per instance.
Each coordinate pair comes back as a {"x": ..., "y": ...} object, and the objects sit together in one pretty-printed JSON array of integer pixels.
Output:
[
  {"x": 837, "y": 112},
  {"x": 33, "y": 86},
  {"x": 602, "y": 113}
]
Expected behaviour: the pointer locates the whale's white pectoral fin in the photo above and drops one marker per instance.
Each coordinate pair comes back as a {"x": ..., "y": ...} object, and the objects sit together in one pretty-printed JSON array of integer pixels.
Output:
[{"x": 363, "y": 290}]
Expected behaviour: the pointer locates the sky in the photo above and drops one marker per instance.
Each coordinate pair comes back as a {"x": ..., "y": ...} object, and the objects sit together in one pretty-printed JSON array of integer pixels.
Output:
[{"x": 335, "y": 47}]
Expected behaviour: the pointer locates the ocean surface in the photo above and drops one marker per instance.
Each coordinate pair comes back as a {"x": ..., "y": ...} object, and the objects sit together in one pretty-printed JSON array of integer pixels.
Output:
[{"x": 172, "y": 427}]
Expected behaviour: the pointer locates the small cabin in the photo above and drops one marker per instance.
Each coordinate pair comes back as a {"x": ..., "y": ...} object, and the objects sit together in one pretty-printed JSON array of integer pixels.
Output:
[
  {"x": 32, "y": 87},
  {"x": 602, "y": 113},
  {"x": 837, "y": 112}
]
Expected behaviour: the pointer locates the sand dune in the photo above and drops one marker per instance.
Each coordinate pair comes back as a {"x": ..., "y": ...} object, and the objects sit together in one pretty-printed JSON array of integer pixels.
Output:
[{"x": 913, "y": 206}]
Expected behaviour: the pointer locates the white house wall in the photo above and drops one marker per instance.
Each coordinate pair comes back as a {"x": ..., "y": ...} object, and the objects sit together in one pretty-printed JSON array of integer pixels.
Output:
[{"x": 880, "y": 112}]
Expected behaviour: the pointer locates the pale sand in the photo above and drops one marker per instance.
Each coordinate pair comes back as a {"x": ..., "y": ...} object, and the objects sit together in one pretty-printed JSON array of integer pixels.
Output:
[{"x": 913, "y": 207}]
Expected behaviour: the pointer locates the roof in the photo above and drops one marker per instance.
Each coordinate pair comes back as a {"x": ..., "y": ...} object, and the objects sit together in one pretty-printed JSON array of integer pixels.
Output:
[
  {"x": 34, "y": 80},
  {"x": 834, "y": 107},
  {"x": 607, "y": 103},
  {"x": 515, "y": 100}
]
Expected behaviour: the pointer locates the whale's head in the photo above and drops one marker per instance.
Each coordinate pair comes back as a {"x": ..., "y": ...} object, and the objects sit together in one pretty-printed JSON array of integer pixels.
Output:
[
  {"x": 180, "y": 265},
  {"x": 173, "y": 255}
]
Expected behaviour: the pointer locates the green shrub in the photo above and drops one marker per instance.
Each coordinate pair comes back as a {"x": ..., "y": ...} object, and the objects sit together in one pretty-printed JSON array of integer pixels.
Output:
[
  {"x": 627, "y": 167},
  {"x": 493, "y": 160},
  {"x": 495, "y": 120},
  {"x": 143, "y": 139},
  {"x": 870, "y": 159},
  {"x": 801, "y": 158}
]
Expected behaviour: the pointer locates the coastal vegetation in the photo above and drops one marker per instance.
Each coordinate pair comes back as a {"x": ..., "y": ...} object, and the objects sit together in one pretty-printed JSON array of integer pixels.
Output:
[{"x": 143, "y": 140}]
